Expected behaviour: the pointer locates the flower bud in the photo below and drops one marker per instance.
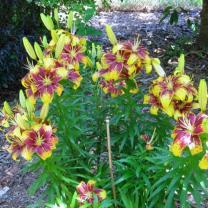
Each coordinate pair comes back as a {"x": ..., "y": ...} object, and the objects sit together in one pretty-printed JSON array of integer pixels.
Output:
[
  {"x": 202, "y": 95},
  {"x": 181, "y": 65},
  {"x": 111, "y": 35},
  {"x": 60, "y": 45},
  {"x": 38, "y": 50},
  {"x": 157, "y": 67},
  {"x": 29, "y": 48},
  {"x": 44, "y": 111},
  {"x": 7, "y": 108},
  {"x": 47, "y": 21},
  {"x": 22, "y": 99}
]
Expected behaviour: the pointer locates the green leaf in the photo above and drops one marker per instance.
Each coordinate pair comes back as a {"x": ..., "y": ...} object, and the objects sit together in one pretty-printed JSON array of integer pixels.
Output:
[
  {"x": 39, "y": 182},
  {"x": 73, "y": 201},
  {"x": 169, "y": 202},
  {"x": 157, "y": 191},
  {"x": 174, "y": 17},
  {"x": 184, "y": 191},
  {"x": 173, "y": 183},
  {"x": 162, "y": 179}
]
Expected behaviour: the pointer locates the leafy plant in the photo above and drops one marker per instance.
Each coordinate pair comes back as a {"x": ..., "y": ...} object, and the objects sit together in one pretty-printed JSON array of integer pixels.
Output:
[
  {"x": 76, "y": 95},
  {"x": 173, "y": 13}
]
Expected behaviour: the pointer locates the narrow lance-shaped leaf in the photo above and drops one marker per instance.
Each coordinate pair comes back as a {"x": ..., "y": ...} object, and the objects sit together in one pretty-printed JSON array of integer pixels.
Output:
[
  {"x": 47, "y": 21},
  {"x": 60, "y": 45},
  {"x": 38, "y": 51},
  {"x": 29, "y": 48},
  {"x": 111, "y": 35},
  {"x": 73, "y": 201},
  {"x": 70, "y": 20},
  {"x": 22, "y": 99},
  {"x": 202, "y": 95}
]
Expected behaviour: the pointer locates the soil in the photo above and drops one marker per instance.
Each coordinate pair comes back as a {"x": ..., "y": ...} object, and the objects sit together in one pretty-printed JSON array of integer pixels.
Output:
[{"x": 163, "y": 40}]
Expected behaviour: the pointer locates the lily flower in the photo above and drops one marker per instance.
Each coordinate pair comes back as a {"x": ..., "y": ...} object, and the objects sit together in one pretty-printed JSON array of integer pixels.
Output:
[
  {"x": 187, "y": 134},
  {"x": 18, "y": 148},
  {"x": 73, "y": 54},
  {"x": 75, "y": 77},
  {"x": 43, "y": 84},
  {"x": 40, "y": 140},
  {"x": 114, "y": 88},
  {"x": 173, "y": 94},
  {"x": 87, "y": 192}
]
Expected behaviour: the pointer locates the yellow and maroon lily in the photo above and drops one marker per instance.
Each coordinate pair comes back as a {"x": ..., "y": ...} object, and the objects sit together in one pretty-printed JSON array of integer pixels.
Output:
[
  {"x": 123, "y": 63},
  {"x": 87, "y": 192},
  {"x": 173, "y": 94},
  {"x": 187, "y": 134},
  {"x": 42, "y": 83},
  {"x": 40, "y": 140},
  {"x": 26, "y": 132}
]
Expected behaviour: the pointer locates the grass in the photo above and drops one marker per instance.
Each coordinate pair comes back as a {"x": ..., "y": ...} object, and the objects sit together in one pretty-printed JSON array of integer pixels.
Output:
[{"x": 151, "y": 4}]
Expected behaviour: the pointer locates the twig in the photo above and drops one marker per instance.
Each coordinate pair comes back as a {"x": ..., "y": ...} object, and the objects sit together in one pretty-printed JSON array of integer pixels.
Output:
[{"x": 110, "y": 158}]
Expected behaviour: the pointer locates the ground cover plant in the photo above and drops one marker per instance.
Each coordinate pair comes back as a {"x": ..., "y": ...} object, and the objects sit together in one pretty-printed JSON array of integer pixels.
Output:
[{"x": 76, "y": 95}]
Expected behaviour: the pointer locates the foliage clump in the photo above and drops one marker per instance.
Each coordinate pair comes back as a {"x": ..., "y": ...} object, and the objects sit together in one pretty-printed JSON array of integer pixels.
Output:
[{"x": 59, "y": 124}]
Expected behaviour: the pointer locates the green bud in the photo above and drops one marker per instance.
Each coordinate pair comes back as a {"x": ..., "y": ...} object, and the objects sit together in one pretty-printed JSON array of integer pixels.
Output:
[
  {"x": 7, "y": 108},
  {"x": 93, "y": 50},
  {"x": 38, "y": 50},
  {"x": 44, "y": 111},
  {"x": 157, "y": 67},
  {"x": 181, "y": 65},
  {"x": 29, "y": 48},
  {"x": 29, "y": 106},
  {"x": 44, "y": 41},
  {"x": 99, "y": 51},
  {"x": 54, "y": 36},
  {"x": 56, "y": 16},
  {"x": 205, "y": 125},
  {"x": 202, "y": 95},
  {"x": 47, "y": 21},
  {"x": 111, "y": 35},
  {"x": 70, "y": 20},
  {"x": 60, "y": 45},
  {"x": 22, "y": 99}
]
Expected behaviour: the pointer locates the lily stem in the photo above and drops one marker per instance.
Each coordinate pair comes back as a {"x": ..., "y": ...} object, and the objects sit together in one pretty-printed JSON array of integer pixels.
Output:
[{"x": 110, "y": 158}]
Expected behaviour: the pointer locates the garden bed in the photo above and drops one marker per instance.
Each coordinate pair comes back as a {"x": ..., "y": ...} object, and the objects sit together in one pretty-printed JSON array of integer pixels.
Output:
[{"x": 158, "y": 38}]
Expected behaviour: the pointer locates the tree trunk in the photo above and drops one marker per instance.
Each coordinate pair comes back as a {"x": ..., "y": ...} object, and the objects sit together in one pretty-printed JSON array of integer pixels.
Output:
[{"x": 203, "y": 36}]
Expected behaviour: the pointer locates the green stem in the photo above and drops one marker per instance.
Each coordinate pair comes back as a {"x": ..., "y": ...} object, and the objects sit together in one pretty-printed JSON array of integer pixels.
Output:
[{"x": 63, "y": 120}]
